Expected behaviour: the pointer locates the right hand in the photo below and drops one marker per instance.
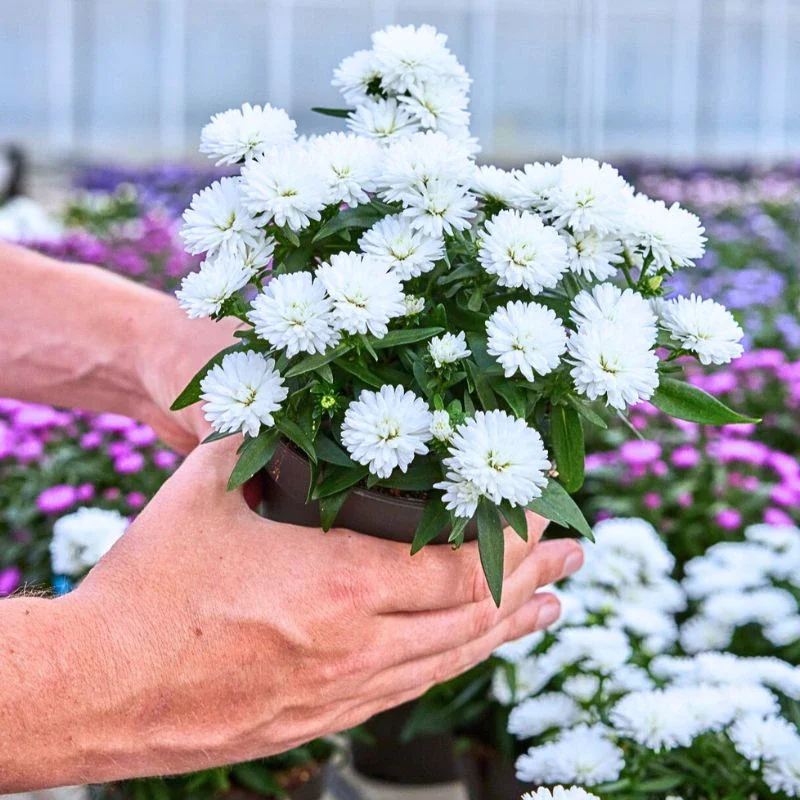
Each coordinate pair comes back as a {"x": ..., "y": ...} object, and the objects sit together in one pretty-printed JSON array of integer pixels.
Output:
[{"x": 231, "y": 637}]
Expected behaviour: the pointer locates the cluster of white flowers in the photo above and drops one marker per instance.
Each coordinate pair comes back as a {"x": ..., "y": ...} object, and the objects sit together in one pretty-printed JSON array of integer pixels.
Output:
[
  {"x": 82, "y": 538},
  {"x": 560, "y": 793},
  {"x": 745, "y": 583}
]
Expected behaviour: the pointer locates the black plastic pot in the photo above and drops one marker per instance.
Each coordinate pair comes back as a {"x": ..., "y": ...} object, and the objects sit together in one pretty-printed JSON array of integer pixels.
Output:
[{"x": 489, "y": 776}]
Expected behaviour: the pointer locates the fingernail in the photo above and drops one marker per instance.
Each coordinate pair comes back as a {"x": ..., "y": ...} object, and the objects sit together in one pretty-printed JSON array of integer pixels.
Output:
[
  {"x": 573, "y": 562},
  {"x": 550, "y": 612}
]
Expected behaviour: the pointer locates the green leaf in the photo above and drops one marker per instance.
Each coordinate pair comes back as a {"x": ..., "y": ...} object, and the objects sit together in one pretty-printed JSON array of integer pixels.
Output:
[
  {"x": 491, "y": 545},
  {"x": 555, "y": 504},
  {"x": 339, "y": 479},
  {"x": 258, "y": 778},
  {"x": 358, "y": 217},
  {"x": 512, "y": 395},
  {"x": 296, "y": 260},
  {"x": 660, "y": 784},
  {"x": 420, "y": 476},
  {"x": 475, "y": 301},
  {"x": 293, "y": 432},
  {"x": 191, "y": 394},
  {"x": 316, "y": 361},
  {"x": 217, "y": 435},
  {"x": 587, "y": 412},
  {"x": 515, "y": 517},
  {"x": 329, "y": 507},
  {"x": 362, "y": 372},
  {"x": 684, "y": 401},
  {"x": 255, "y": 454},
  {"x": 482, "y": 387},
  {"x": 405, "y": 336},
  {"x": 333, "y": 112},
  {"x": 434, "y": 518},
  {"x": 328, "y": 450},
  {"x": 566, "y": 432}
]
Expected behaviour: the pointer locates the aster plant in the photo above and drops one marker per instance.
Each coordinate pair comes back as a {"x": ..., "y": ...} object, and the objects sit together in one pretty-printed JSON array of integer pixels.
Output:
[{"x": 414, "y": 323}]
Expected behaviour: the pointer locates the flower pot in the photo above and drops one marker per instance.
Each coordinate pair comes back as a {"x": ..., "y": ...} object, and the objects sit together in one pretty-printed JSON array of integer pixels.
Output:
[
  {"x": 423, "y": 760},
  {"x": 488, "y": 776},
  {"x": 380, "y": 514}
]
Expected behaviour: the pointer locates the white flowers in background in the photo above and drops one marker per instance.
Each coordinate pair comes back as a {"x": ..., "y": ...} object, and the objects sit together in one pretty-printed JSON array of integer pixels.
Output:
[
  {"x": 82, "y": 538},
  {"x": 441, "y": 427},
  {"x": 242, "y": 393},
  {"x": 202, "y": 293},
  {"x": 703, "y": 327},
  {"x": 526, "y": 337},
  {"x": 532, "y": 184},
  {"x": 350, "y": 164},
  {"x": 448, "y": 348},
  {"x": 365, "y": 294},
  {"x": 536, "y": 715},
  {"x": 385, "y": 430},
  {"x": 560, "y": 793},
  {"x": 439, "y": 107},
  {"x": 355, "y": 75},
  {"x": 498, "y": 454},
  {"x": 294, "y": 314},
  {"x": 407, "y": 252},
  {"x": 522, "y": 251},
  {"x": 382, "y": 120},
  {"x": 241, "y": 134}
]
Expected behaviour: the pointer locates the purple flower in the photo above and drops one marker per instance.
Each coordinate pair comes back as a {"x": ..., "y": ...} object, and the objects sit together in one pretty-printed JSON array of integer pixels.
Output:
[
  {"x": 91, "y": 440},
  {"x": 685, "y": 457},
  {"x": 774, "y": 516},
  {"x": 85, "y": 492},
  {"x": 141, "y": 436},
  {"x": 36, "y": 417},
  {"x": 10, "y": 580},
  {"x": 638, "y": 452},
  {"x": 165, "y": 459},
  {"x": 57, "y": 499},
  {"x": 29, "y": 449},
  {"x": 119, "y": 449},
  {"x": 659, "y": 469},
  {"x": 783, "y": 495},
  {"x": 129, "y": 463},
  {"x": 652, "y": 500},
  {"x": 113, "y": 423},
  {"x": 136, "y": 499},
  {"x": 729, "y": 519},
  {"x": 112, "y": 493},
  {"x": 684, "y": 500}
]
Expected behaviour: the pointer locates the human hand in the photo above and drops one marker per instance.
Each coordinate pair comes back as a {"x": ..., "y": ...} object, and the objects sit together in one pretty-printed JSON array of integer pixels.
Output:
[{"x": 227, "y": 637}]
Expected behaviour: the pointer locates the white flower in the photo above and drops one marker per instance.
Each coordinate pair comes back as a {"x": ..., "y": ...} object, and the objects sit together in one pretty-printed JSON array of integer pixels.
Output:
[
  {"x": 560, "y": 793},
  {"x": 493, "y": 183},
  {"x": 240, "y": 134},
  {"x": 704, "y": 327},
  {"x": 350, "y": 164},
  {"x": 673, "y": 236},
  {"x": 366, "y": 296},
  {"x": 784, "y": 632},
  {"x": 439, "y": 107},
  {"x": 441, "y": 428},
  {"x": 503, "y": 457},
  {"x": 782, "y": 774},
  {"x": 538, "y": 714},
  {"x": 598, "y": 649},
  {"x": 294, "y": 314},
  {"x": 448, "y": 348},
  {"x": 581, "y": 687},
  {"x": 525, "y": 337},
  {"x": 518, "y": 649},
  {"x": 82, "y": 538},
  {"x": 286, "y": 186},
  {"x": 217, "y": 219},
  {"x": 593, "y": 256},
  {"x": 460, "y": 494},
  {"x": 625, "y": 308},
  {"x": 532, "y": 185},
  {"x": 700, "y": 634},
  {"x": 522, "y": 251},
  {"x": 386, "y": 429},
  {"x": 614, "y": 361},
  {"x": 440, "y": 208},
  {"x": 242, "y": 392},
  {"x": 407, "y": 252},
  {"x": 414, "y": 305},
  {"x": 202, "y": 293},
  {"x": 588, "y": 196},
  {"x": 762, "y": 739},
  {"x": 355, "y": 75},
  {"x": 655, "y": 719},
  {"x": 383, "y": 120}
]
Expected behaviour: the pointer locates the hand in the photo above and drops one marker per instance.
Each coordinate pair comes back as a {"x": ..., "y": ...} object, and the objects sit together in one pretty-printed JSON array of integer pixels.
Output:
[{"x": 225, "y": 637}]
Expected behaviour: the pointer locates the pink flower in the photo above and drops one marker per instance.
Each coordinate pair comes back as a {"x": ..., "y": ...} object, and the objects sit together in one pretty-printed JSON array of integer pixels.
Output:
[
  {"x": 729, "y": 519},
  {"x": 141, "y": 436},
  {"x": 136, "y": 499},
  {"x": 640, "y": 452},
  {"x": 85, "y": 492},
  {"x": 91, "y": 440},
  {"x": 113, "y": 423},
  {"x": 685, "y": 457},
  {"x": 129, "y": 463},
  {"x": 166, "y": 459},
  {"x": 684, "y": 500},
  {"x": 57, "y": 499},
  {"x": 659, "y": 469},
  {"x": 774, "y": 516},
  {"x": 10, "y": 580},
  {"x": 652, "y": 500},
  {"x": 112, "y": 493}
]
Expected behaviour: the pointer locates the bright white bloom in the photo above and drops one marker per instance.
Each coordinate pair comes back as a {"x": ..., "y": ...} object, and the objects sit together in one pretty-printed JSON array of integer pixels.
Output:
[
  {"x": 534, "y": 716},
  {"x": 614, "y": 361},
  {"x": 202, "y": 293},
  {"x": 629, "y": 678},
  {"x": 526, "y": 337},
  {"x": 295, "y": 314},
  {"x": 448, "y": 348},
  {"x": 242, "y": 393},
  {"x": 598, "y": 649},
  {"x": 382, "y": 120},
  {"x": 560, "y": 793},
  {"x": 762, "y": 739},
  {"x": 700, "y": 634},
  {"x": 217, "y": 219},
  {"x": 587, "y": 196},
  {"x": 366, "y": 296},
  {"x": 581, "y": 687},
  {"x": 355, "y": 75},
  {"x": 286, "y": 186},
  {"x": 493, "y": 183},
  {"x": 656, "y": 719},
  {"x": 440, "y": 208},
  {"x": 386, "y": 429},
  {"x": 439, "y": 107},
  {"x": 518, "y": 649},
  {"x": 441, "y": 428},
  {"x": 350, "y": 164},
  {"x": 501, "y": 455},
  {"x": 625, "y": 308},
  {"x": 461, "y": 495},
  {"x": 593, "y": 256},
  {"x": 784, "y": 632},
  {"x": 522, "y": 251},
  {"x": 532, "y": 185},
  {"x": 407, "y": 252},
  {"x": 82, "y": 538},
  {"x": 414, "y": 305},
  {"x": 782, "y": 774},
  {"x": 241, "y": 134},
  {"x": 704, "y": 327},
  {"x": 673, "y": 236}
]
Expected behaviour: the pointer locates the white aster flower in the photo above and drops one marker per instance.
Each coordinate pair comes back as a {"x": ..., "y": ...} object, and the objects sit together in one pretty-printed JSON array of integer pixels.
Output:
[
  {"x": 532, "y": 185},
  {"x": 534, "y": 716},
  {"x": 784, "y": 632},
  {"x": 460, "y": 495},
  {"x": 355, "y": 75},
  {"x": 655, "y": 719},
  {"x": 441, "y": 428},
  {"x": 614, "y": 361},
  {"x": 294, "y": 314},
  {"x": 493, "y": 183},
  {"x": 701, "y": 634},
  {"x": 386, "y": 429},
  {"x": 623, "y": 307},
  {"x": 242, "y": 393},
  {"x": 286, "y": 186},
  {"x": 759, "y": 738},
  {"x": 407, "y": 252},
  {"x": 82, "y": 538},
  {"x": 501, "y": 455},
  {"x": 598, "y": 649},
  {"x": 582, "y": 688},
  {"x": 703, "y": 327},
  {"x": 440, "y": 208},
  {"x": 350, "y": 164},
  {"x": 560, "y": 793},
  {"x": 414, "y": 305},
  {"x": 202, "y": 293},
  {"x": 593, "y": 256},
  {"x": 517, "y": 650},
  {"x": 672, "y": 235},
  {"x": 526, "y": 337},
  {"x": 365, "y": 294},
  {"x": 240, "y": 134},
  {"x": 217, "y": 219},
  {"x": 383, "y": 120},
  {"x": 439, "y": 107},
  {"x": 522, "y": 251},
  {"x": 448, "y": 348},
  {"x": 782, "y": 773}
]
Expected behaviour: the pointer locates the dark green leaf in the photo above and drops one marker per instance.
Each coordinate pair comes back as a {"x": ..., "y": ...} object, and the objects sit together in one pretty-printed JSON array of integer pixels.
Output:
[
  {"x": 587, "y": 412},
  {"x": 296, "y": 260},
  {"x": 362, "y": 372},
  {"x": 684, "y": 401},
  {"x": 420, "y": 476},
  {"x": 217, "y": 435},
  {"x": 491, "y": 545},
  {"x": 515, "y": 517},
  {"x": 258, "y": 778},
  {"x": 255, "y": 454},
  {"x": 512, "y": 395},
  {"x": 293, "y": 432},
  {"x": 329, "y": 507},
  {"x": 316, "y": 361},
  {"x": 339, "y": 479},
  {"x": 475, "y": 301},
  {"x": 405, "y": 336},
  {"x": 333, "y": 112},
  {"x": 482, "y": 387},
  {"x": 328, "y": 450},
  {"x": 434, "y": 518},
  {"x": 358, "y": 217},
  {"x": 566, "y": 432},
  {"x": 191, "y": 394},
  {"x": 555, "y": 504}
]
